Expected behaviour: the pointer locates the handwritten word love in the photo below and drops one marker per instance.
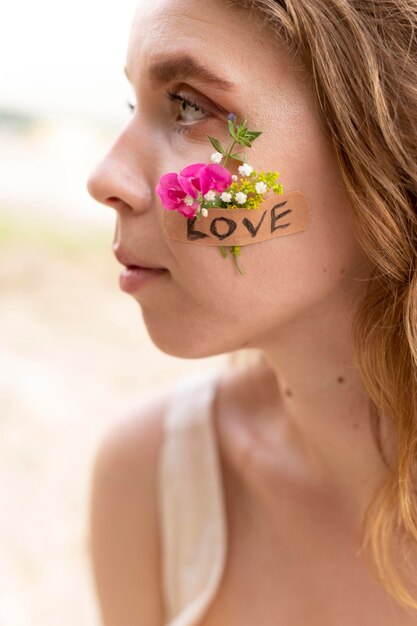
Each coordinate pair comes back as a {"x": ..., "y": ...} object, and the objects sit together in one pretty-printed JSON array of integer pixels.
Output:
[{"x": 277, "y": 216}]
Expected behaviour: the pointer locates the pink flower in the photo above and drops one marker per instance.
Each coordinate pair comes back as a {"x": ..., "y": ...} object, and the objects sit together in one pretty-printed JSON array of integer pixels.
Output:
[
  {"x": 204, "y": 178},
  {"x": 189, "y": 178},
  {"x": 214, "y": 177},
  {"x": 173, "y": 195},
  {"x": 177, "y": 191}
]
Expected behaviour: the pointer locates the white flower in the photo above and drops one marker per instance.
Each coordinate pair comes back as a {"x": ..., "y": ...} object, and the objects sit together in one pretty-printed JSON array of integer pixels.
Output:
[
  {"x": 210, "y": 195},
  {"x": 204, "y": 212},
  {"x": 226, "y": 196},
  {"x": 189, "y": 200},
  {"x": 241, "y": 197},
  {"x": 216, "y": 157},
  {"x": 234, "y": 177},
  {"x": 245, "y": 169},
  {"x": 261, "y": 187}
]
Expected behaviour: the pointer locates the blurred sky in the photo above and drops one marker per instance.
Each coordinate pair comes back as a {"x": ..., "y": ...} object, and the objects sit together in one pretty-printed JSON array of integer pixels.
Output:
[
  {"x": 65, "y": 56},
  {"x": 61, "y": 65}
]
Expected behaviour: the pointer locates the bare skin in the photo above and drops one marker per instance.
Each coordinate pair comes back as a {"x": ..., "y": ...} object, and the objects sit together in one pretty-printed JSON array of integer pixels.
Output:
[
  {"x": 293, "y": 551},
  {"x": 300, "y": 463}
]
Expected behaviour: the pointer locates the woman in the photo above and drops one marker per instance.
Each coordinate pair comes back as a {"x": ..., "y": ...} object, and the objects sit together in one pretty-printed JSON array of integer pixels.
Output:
[{"x": 316, "y": 439}]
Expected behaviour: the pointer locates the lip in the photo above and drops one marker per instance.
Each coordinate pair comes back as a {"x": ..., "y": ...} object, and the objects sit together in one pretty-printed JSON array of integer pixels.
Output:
[
  {"x": 128, "y": 259},
  {"x": 137, "y": 272},
  {"x": 133, "y": 278}
]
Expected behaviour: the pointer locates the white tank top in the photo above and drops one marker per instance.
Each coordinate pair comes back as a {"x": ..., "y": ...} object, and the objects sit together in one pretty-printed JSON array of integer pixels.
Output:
[{"x": 191, "y": 501}]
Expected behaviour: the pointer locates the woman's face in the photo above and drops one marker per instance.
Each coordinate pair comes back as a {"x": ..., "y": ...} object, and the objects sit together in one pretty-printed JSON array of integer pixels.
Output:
[{"x": 201, "y": 305}]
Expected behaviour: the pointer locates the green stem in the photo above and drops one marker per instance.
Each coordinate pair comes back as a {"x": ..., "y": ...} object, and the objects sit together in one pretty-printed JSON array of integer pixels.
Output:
[
  {"x": 237, "y": 264},
  {"x": 229, "y": 152}
]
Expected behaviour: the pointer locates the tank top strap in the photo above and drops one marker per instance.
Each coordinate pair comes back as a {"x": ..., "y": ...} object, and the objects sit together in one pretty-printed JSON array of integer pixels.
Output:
[{"x": 191, "y": 501}]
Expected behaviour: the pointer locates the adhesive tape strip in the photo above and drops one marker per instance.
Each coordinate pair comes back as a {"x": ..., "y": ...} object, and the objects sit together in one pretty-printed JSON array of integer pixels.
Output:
[{"x": 276, "y": 216}]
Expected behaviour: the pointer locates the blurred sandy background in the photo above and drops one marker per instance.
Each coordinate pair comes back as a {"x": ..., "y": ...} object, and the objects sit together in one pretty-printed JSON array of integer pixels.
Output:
[{"x": 74, "y": 353}]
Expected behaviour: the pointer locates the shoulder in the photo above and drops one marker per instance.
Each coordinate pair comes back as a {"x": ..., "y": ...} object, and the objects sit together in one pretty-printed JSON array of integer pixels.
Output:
[
  {"x": 123, "y": 519},
  {"x": 123, "y": 522},
  {"x": 134, "y": 440}
]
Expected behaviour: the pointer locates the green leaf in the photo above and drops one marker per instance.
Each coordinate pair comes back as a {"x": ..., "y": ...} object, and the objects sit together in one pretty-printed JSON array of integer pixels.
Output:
[
  {"x": 216, "y": 144},
  {"x": 232, "y": 130},
  {"x": 245, "y": 142},
  {"x": 253, "y": 134},
  {"x": 231, "y": 125},
  {"x": 236, "y": 156}
]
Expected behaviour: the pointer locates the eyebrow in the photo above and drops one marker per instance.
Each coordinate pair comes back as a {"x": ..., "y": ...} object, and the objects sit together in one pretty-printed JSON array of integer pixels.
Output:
[{"x": 185, "y": 67}]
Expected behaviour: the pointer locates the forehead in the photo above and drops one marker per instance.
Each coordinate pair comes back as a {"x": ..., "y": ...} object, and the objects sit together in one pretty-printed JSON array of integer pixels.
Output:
[
  {"x": 158, "y": 19},
  {"x": 222, "y": 38}
]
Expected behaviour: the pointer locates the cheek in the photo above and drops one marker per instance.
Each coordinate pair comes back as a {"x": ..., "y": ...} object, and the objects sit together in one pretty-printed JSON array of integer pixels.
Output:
[
  {"x": 318, "y": 258},
  {"x": 311, "y": 260},
  {"x": 207, "y": 307}
]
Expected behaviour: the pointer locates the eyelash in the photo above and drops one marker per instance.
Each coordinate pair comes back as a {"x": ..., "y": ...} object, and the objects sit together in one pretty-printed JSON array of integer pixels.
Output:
[{"x": 175, "y": 96}]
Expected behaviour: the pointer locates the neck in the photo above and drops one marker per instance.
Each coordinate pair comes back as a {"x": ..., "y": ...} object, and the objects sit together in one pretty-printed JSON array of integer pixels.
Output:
[{"x": 323, "y": 405}]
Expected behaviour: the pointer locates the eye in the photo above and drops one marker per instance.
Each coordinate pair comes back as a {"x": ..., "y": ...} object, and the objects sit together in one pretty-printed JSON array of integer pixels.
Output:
[
  {"x": 186, "y": 105},
  {"x": 185, "y": 102}
]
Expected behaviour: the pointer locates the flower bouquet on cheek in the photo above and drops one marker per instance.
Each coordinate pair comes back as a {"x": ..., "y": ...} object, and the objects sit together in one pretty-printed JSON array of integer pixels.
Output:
[{"x": 202, "y": 186}]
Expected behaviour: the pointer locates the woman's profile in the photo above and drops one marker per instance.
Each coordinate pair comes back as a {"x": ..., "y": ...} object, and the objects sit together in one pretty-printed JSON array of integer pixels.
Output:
[{"x": 280, "y": 489}]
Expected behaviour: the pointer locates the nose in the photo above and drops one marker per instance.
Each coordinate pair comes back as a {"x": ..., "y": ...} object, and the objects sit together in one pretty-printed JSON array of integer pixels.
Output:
[{"x": 119, "y": 180}]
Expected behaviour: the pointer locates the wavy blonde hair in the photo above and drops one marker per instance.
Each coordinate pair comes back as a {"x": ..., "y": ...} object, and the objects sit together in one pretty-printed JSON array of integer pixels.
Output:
[{"x": 362, "y": 56}]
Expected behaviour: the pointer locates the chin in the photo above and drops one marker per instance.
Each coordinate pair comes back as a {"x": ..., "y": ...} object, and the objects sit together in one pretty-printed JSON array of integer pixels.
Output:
[
  {"x": 183, "y": 343},
  {"x": 188, "y": 347}
]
